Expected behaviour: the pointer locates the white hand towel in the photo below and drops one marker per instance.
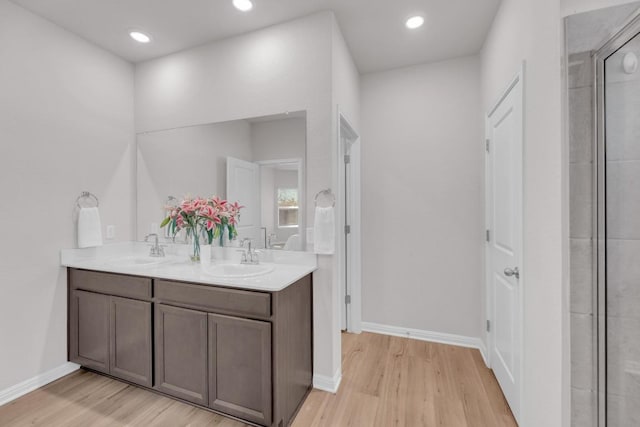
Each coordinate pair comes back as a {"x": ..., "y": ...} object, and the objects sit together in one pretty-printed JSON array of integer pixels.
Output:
[
  {"x": 324, "y": 230},
  {"x": 89, "y": 228}
]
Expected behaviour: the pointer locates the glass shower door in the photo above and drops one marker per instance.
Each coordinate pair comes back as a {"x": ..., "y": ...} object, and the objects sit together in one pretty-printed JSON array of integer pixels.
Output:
[{"x": 619, "y": 298}]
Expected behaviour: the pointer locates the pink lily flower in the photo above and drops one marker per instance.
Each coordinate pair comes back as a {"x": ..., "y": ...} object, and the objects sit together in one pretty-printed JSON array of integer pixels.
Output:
[
  {"x": 218, "y": 202},
  {"x": 207, "y": 211},
  {"x": 236, "y": 206}
]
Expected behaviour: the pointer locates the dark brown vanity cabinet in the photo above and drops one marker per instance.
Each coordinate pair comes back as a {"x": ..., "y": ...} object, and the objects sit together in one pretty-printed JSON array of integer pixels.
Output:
[
  {"x": 181, "y": 353},
  {"x": 240, "y": 367},
  {"x": 109, "y": 333},
  {"x": 222, "y": 361},
  {"x": 130, "y": 343},
  {"x": 247, "y": 354},
  {"x": 89, "y": 330}
]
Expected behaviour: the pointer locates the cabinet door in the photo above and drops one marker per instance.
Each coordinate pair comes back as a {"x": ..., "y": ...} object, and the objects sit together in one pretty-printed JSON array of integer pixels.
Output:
[
  {"x": 181, "y": 353},
  {"x": 130, "y": 344},
  {"x": 89, "y": 330},
  {"x": 240, "y": 368}
]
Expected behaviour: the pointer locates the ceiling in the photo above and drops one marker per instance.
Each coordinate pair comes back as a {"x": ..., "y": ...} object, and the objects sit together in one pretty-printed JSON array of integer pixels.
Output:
[{"x": 373, "y": 29}]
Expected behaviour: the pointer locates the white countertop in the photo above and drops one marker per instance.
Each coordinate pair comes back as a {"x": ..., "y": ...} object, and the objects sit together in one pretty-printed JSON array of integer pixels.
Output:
[{"x": 288, "y": 266}]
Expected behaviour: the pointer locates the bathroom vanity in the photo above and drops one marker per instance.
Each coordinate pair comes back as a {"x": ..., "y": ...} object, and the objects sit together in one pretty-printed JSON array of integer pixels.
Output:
[{"x": 242, "y": 350}]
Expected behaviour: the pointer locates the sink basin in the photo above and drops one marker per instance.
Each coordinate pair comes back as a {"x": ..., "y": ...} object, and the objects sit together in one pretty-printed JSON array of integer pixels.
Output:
[
  {"x": 238, "y": 270},
  {"x": 137, "y": 261}
]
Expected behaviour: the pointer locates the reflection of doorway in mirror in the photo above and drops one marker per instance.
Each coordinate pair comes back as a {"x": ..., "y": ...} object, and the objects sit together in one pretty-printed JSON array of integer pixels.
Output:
[{"x": 281, "y": 199}]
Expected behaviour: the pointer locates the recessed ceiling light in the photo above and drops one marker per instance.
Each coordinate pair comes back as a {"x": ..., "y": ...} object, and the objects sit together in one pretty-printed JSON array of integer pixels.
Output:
[
  {"x": 243, "y": 5},
  {"x": 414, "y": 22},
  {"x": 140, "y": 37}
]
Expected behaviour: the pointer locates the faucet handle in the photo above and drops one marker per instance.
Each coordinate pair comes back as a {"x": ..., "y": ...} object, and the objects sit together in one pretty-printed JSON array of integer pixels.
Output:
[
  {"x": 156, "y": 250},
  {"x": 243, "y": 257}
]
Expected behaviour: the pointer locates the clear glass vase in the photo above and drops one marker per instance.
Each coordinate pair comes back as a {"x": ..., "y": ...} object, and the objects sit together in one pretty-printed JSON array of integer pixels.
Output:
[
  {"x": 220, "y": 240},
  {"x": 195, "y": 246}
]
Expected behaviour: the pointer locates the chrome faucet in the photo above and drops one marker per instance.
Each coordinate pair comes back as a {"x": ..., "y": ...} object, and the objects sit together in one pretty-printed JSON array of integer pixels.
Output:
[
  {"x": 155, "y": 250},
  {"x": 250, "y": 256},
  {"x": 270, "y": 239}
]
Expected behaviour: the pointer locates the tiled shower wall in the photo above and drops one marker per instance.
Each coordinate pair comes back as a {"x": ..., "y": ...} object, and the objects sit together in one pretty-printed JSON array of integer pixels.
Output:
[
  {"x": 583, "y": 340},
  {"x": 585, "y": 33},
  {"x": 623, "y": 239}
]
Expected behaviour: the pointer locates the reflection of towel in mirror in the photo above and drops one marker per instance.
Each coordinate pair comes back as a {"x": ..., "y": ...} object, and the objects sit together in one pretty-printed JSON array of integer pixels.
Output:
[
  {"x": 324, "y": 230},
  {"x": 89, "y": 228}
]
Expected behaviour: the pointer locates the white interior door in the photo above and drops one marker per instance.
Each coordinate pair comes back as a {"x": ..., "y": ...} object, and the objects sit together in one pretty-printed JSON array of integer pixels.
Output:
[
  {"x": 504, "y": 241},
  {"x": 243, "y": 186}
]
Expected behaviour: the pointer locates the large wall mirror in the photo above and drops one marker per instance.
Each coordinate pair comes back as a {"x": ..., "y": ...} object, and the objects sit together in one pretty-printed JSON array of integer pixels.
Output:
[{"x": 259, "y": 162}]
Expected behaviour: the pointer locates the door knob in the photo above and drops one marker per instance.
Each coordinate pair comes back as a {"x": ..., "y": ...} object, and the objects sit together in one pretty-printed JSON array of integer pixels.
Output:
[{"x": 512, "y": 272}]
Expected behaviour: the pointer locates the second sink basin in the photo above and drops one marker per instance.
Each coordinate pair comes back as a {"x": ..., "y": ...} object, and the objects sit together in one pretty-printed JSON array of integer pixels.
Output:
[{"x": 238, "y": 270}]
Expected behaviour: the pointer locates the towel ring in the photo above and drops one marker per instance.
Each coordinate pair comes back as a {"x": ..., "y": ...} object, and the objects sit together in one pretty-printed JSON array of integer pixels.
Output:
[
  {"x": 328, "y": 193},
  {"x": 87, "y": 195}
]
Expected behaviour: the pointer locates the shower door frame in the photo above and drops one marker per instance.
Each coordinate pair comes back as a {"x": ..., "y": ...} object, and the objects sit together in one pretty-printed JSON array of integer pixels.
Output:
[{"x": 599, "y": 265}]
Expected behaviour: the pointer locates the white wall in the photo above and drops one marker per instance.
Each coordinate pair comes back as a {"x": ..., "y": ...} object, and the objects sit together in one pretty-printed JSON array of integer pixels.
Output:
[
  {"x": 66, "y": 125},
  {"x": 285, "y": 67},
  {"x": 345, "y": 78},
  {"x": 279, "y": 139},
  {"x": 185, "y": 161},
  {"x": 530, "y": 30},
  {"x": 571, "y": 7},
  {"x": 422, "y": 174}
]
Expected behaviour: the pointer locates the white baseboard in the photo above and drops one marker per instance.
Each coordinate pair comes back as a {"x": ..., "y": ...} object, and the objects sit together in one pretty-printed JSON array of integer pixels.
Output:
[
  {"x": 419, "y": 334},
  {"x": 14, "y": 392},
  {"x": 483, "y": 352},
  {"x": 325, "y": 383}
]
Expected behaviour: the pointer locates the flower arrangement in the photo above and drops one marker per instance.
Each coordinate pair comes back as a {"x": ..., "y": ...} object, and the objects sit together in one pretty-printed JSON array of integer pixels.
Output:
[{"x": 200, "y": 216}]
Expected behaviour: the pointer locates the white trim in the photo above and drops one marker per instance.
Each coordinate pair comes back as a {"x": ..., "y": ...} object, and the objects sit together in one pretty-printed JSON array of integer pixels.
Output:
[
  {"x": 482, "y": 347},
  {"x": 325, "y": 383},
  {"x": 14, "y": 392},
  {"x": 422, "y": 335},
  {"x": 351, "y": 315}
]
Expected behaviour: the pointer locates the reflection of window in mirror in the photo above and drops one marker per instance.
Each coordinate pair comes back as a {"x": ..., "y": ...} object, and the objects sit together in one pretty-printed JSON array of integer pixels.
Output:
[{"x": 287, "y": 207}]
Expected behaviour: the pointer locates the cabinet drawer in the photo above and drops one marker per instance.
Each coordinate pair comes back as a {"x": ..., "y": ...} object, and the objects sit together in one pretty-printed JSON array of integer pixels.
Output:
[
  {"x": 211, "y": 298},
  {"x": 111, "y": 284}
]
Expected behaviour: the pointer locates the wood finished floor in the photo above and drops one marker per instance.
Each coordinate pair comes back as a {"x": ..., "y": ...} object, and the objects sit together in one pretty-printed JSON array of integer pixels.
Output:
[{"x": 387, "y": 381}]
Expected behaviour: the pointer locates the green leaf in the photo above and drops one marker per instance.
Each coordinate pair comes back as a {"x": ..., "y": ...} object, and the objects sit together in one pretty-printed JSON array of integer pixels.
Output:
[{"x": 166, "y": 221}]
